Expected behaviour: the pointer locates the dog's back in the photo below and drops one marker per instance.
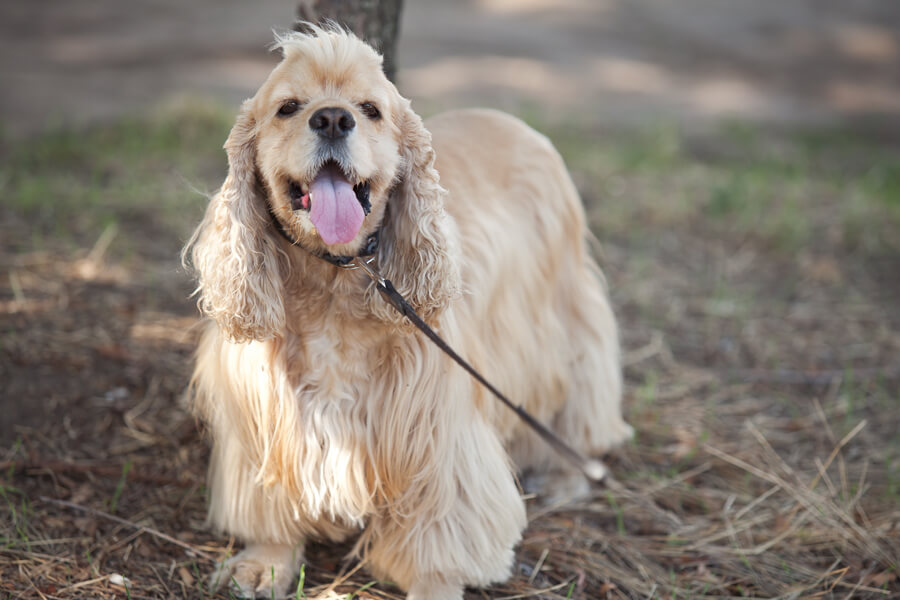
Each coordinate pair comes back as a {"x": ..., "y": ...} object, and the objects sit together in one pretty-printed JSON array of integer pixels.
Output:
[{"x": 547, "y": 336}]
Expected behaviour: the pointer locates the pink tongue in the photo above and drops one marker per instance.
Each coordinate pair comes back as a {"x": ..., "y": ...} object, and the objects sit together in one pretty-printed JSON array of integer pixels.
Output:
[{"x": 334, "y": 209}]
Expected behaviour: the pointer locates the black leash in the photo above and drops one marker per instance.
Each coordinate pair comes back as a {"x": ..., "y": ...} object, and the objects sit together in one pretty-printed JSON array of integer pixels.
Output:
[{"x": 593, "y": 469}]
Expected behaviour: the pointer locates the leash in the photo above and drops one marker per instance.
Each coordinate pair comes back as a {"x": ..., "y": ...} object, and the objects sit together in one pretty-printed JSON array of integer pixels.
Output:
[{"x": 592, "y": 468}]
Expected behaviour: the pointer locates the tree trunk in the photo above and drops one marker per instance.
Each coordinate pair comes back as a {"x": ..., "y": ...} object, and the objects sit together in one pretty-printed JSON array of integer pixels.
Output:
[{"x": 375, "y": 21}]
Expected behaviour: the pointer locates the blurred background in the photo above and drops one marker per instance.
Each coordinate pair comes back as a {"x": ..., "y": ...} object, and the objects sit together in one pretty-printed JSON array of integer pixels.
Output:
[
  {"x": 616, "y": 62},
  {"x": 739, "y": 161}
]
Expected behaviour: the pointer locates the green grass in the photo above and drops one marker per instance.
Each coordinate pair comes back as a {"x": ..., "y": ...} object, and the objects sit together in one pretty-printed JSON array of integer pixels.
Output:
[
  {"x": 620, "y": 514},
  {"x": 69, "y": 185},
  {"x": 786, "y": 190},
  {"x": 301, "y": 582},
  {"x": 19, "y": 512},
  {"x": 362, "y": 588},
  {"x": 646, "y": 395},
  {"x": 120, "y": 487}
]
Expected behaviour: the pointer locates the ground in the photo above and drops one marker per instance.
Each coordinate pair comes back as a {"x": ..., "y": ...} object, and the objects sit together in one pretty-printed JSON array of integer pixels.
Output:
[{"x": 753, "y": 270}]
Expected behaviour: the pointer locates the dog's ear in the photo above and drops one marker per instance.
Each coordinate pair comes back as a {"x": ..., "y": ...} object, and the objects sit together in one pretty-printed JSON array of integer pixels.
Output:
[
  {"x": 419, "y": 250},
  {"x": 237, "y": 261}
]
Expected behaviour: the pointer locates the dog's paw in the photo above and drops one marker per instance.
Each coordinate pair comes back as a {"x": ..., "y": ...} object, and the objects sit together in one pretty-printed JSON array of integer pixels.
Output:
[
  {"x": 433, "y": 590},
  {"x": 557, "y": 486},
  {"x": 619, "y": 433},
  {"x": 263, "y": 571}
]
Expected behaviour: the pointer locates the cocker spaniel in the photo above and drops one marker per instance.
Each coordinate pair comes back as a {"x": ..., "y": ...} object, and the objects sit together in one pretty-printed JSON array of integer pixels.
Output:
[{"x": 329, "y": 414}]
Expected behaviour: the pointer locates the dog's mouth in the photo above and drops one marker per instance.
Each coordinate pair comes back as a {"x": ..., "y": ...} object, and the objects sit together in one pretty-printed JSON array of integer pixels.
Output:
[{"x": 336, "y": 207}]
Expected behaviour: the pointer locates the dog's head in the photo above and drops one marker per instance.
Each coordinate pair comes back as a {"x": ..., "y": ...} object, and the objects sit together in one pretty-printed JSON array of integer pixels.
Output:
[
  {"x": 331, "y": 149},
  {"x": 328, "y": 138}
]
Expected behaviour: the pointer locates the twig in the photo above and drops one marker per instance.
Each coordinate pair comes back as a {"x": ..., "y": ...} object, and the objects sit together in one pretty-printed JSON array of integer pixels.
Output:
[
  {"x": 36, "y": 588},
  {"x": 759, "y": 499},
  {"x": 704, "y": 543},
  {"x": 538, "y": 565},
  {"x": 32, "y": 554},
  {"x": 534, "y": 593},
  {"x": 59, "y": 466},
  {"x": 683, "y": 476},
  {"x": 820, "y": 412},
  {"x": 102, "y": 243},
  {"x": 341, "y": 578},
  {"x": 642, "y": 500},
  {"x": 142, "y": 528},
  {"x": 652, "y": 348},
  {"x": 85, "y": 583},
  {"x": 817, "y": 506},
  {"x": 835, "y": 450}
]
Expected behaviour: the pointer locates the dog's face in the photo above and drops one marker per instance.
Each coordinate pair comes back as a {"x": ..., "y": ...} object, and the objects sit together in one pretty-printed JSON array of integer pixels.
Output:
[
  {"x": 327, "y": 143},
  {"x": 324, "y": 144}
]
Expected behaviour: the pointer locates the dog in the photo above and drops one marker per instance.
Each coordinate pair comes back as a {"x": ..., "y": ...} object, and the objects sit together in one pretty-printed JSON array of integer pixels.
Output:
[{"x": 330, "y": 416}]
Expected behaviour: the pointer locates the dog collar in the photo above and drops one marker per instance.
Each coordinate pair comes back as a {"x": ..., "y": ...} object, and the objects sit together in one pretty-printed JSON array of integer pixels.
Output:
[{"x": 369, "y": 249}]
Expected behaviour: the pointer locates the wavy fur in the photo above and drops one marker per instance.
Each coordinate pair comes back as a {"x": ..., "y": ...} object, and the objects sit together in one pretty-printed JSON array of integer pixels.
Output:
[
  {"x": 420, "y": 254},
  {"x": 328, "y": 415},
  {"x": 237, "y": 261}
]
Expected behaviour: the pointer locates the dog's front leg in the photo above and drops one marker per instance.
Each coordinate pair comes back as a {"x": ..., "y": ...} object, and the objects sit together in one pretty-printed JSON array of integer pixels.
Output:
[
  {"x": 434, "y": 589},
  {"x": 259, "y": 516},
  {"x": 457, "y": 525}
]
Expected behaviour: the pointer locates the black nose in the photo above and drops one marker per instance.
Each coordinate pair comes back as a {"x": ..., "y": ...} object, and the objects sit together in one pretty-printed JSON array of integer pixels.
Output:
[{"x": 332, "y": 122}]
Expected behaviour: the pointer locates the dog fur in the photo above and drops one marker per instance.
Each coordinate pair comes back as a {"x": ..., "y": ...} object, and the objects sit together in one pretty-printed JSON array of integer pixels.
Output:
[{"x": 328, "y": 414}]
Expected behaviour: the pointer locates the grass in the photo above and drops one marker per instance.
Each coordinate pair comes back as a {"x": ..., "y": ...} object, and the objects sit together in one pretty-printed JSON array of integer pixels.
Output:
[
  {"x": 754, "y": 277},
  {"x": 70, "y": 185},
  {"x": 790, "y": 191},
  {"x": 301, "y": 582},
  {"x": 120, "y": 486}
]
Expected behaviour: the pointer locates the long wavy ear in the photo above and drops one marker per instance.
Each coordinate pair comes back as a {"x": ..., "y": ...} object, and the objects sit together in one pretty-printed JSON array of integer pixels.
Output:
[
  {"x": 238, "y": 263},
  {"x": 419, "y": 249}
]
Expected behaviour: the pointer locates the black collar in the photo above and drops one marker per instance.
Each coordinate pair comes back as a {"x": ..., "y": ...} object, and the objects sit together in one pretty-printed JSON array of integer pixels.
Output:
[{"x": 369, "y": 248}]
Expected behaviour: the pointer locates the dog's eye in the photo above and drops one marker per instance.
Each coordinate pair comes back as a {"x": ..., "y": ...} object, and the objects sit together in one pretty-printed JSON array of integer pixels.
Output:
[
  {"x": 370, "y": 110},
  {"x": 289, "y": 108}
]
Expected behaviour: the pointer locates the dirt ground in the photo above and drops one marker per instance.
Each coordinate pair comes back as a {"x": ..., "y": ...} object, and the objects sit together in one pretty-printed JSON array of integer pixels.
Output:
[{"x": 739, "y": 166}]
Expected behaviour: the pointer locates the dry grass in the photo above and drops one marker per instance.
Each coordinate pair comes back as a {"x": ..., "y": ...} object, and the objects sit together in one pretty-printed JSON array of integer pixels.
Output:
[{"x": 762, "y": 378}]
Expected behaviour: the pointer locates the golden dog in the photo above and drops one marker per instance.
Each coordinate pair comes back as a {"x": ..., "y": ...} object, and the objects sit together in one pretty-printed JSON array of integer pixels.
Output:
[{"x": 329, "y": 415}]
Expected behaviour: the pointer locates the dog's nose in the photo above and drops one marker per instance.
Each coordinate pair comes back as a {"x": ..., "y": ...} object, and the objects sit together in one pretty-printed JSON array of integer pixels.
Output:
[{"x": 332, "y": 122}]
